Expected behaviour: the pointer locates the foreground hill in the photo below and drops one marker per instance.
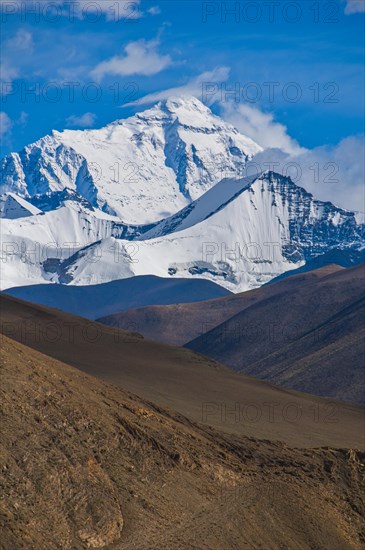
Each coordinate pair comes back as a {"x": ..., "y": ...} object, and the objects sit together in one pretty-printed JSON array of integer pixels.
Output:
[
  {"x": 310, "y": 338},
  {"x": 178, "y": 324},
  {"x": 88, "y": 465},
  {"x": 189, "y": 383}
]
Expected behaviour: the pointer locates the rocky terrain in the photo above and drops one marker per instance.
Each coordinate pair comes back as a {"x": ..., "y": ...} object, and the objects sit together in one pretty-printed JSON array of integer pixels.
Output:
[{"x": 86, "y": 464}]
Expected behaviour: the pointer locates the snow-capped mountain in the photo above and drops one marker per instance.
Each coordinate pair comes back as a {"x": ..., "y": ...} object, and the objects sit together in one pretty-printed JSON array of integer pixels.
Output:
[
  {"x": 180, "y": 222},
  {"x": 240, "y": 234},
  {"x": 311, "y": 224},
  {"x": 141, "y": 169},
  {"x": 256, "y": 234}
]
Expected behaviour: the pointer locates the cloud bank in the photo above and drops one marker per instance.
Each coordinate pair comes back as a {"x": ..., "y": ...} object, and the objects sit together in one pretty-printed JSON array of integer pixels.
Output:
[
  {"x": 261, "y": 127},
  {"x": 331, "y": 173}
]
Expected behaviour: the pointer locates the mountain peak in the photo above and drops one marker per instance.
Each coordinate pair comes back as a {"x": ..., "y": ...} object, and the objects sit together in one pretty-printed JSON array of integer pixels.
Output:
[
  {"x": 187, "y": 110},
  {"x": 142, "y": 169},
  {"x": 191, "y": 103}
]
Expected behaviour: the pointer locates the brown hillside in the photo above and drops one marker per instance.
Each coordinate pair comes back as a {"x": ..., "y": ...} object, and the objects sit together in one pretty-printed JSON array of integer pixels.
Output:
[
  {"x": 87, "y": 465},
  {"x": 182, "y": 380},
  {"x": 181, "y": 323}
]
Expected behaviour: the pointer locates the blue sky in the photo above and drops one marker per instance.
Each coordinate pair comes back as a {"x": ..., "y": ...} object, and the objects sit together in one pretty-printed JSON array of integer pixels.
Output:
[{"x": 297, "y": 67}]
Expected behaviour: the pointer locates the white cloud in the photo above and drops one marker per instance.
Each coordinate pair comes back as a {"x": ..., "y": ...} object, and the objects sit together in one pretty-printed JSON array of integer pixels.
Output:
[
  {"x": 7, "y": 74},
  {"x": 354, "y": 6},
  {"x": 192, "y": 87},
  {"x": 141, "y": 57},
  {"x": 23, "y": 119},
  {"x": 154, "y": 10},
  {"x": 22, "y": 41},
  {"x": 5, "y": 124},
  {"x": 260, "y": 126},
  {"x": 330, "y": 173},
  {"x": 86, "y": 120},
  {"x": 113, "y": 9}
]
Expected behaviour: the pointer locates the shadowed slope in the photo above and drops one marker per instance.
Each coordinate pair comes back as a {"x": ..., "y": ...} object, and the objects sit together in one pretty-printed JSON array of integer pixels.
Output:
[
  {"x": 180, "y": 323},
  {"x": 94, "y": 301},
  {"x": 327, "y": 361},
  {"x": 309, "y": 338},
  {"x": 187, "y": 382}
]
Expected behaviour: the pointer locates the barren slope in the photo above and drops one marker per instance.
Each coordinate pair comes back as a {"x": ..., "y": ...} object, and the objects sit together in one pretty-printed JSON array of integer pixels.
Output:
[
  {"x": 93, "y": 301},
  {"x": 185, "y": 381},
  {"x": 310, "y": 338},
  {"x": 180, "y": 323},
  {"x": 87, "y": 465}
]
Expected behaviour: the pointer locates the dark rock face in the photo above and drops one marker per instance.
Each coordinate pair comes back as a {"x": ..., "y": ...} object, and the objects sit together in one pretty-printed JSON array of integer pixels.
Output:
[{"x": 315, "y": 227}]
